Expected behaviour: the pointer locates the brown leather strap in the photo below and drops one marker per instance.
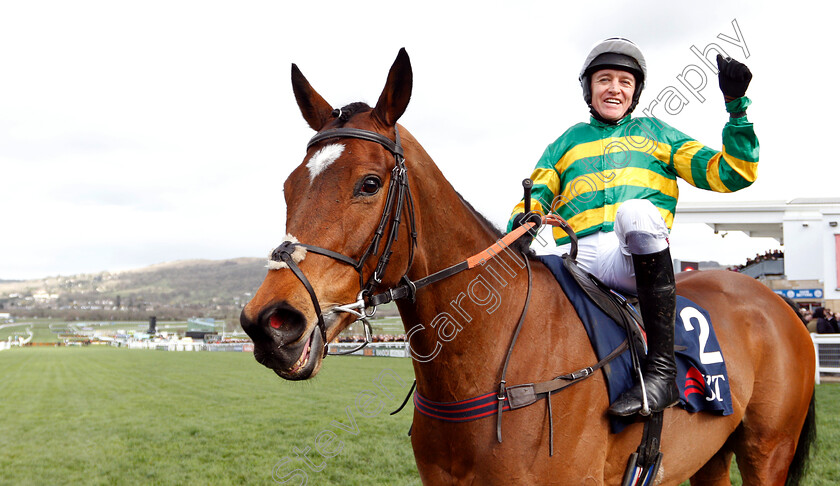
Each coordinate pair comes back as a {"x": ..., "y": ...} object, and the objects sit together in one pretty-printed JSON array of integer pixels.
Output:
[
  {"x": 502, "y": 394},
  {"x": 523, "y": 395},
  {"x": 408, "y": 289}
]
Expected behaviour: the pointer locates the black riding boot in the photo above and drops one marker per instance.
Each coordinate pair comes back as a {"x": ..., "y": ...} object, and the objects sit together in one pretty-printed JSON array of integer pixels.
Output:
[{"x": 658, "y": 300}]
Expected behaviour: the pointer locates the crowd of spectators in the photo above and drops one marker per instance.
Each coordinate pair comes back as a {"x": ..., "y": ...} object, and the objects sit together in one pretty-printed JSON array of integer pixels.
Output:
[
  {"x": 767, "y": 256},
  {"x": 821, "y": 320}
]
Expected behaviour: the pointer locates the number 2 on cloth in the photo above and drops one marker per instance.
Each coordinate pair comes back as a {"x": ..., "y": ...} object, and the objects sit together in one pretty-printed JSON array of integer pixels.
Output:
[{"x": 686, "y": 315}]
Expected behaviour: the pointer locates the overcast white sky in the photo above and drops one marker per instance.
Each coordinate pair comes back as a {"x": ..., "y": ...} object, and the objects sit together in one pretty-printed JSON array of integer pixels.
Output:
[{"x": 133, "y": 133}]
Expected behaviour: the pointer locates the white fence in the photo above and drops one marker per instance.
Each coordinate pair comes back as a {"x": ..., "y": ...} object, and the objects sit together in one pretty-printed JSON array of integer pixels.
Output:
[
  {"x": 390, "y": 349},
  {"x": 827, "y": 348},
  {"x": 165, "y": 346}
]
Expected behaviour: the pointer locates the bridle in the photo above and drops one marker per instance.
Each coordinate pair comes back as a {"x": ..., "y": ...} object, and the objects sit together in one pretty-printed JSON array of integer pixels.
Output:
[
  {"x": 399, "y": 194},
  {"x": 398, "y": 197}
]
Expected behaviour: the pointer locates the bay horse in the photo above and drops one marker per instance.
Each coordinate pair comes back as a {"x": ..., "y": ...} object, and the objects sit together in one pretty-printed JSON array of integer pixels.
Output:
[{"x": 368, "y": 211}]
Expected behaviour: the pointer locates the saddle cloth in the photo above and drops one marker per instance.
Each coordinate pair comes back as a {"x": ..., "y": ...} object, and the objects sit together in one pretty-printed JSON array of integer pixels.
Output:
[{"x": 701, "y": 370}]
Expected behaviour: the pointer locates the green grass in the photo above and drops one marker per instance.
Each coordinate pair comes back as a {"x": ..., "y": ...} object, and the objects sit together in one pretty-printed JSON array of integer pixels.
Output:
[
  {"x": 116, "y": 416},
  {"x": 825, "y": 464}
]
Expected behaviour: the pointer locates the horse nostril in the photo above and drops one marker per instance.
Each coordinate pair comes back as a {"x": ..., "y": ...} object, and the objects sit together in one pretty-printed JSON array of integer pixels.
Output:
[{"x": 284, "y": 322}]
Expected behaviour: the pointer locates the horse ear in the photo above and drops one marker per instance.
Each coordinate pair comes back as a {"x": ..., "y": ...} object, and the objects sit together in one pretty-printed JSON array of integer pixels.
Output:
[
  {"x": 394, "y": 98},
  {"x": 315, "y": 110}
]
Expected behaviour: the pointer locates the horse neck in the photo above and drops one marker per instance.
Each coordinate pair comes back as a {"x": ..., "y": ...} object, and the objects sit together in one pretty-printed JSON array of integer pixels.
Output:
[{"x": 458, "y": 328}]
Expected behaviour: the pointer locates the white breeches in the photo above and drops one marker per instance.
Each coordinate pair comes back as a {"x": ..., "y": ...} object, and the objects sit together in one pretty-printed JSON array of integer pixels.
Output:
[{"x": 639, "y": 229}]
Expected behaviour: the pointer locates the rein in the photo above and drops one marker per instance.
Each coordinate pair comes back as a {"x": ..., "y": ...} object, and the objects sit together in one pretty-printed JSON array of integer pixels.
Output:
[
  {"x": 398, "y": 198},
  {"x": 399, "y": 193}
]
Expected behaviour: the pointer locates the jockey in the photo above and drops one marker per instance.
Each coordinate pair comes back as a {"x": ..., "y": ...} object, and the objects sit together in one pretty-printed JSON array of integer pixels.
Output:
[{"x": 614, "y": 179}]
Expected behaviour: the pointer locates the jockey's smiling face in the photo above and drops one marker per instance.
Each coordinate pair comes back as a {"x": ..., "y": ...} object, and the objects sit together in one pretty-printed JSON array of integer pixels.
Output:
[{"x": 612, "y": 93}]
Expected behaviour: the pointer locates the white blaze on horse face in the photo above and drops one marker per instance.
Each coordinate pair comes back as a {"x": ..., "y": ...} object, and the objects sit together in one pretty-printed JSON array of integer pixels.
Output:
[{"x": 323, "y": 158}]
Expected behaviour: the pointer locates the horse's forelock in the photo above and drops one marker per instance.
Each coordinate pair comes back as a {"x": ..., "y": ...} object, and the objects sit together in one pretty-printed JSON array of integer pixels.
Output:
[
  {"x": 346, "y": 112},
  {"x": 325, "y": 156}
]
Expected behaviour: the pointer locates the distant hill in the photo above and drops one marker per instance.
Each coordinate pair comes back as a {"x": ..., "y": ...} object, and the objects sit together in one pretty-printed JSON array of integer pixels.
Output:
[
  {"x": 174, "y": 290},
  {"x": 180, "y": 283}
]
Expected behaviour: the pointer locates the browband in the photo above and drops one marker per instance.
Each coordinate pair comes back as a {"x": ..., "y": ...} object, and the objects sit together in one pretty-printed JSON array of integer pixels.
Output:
[{"x": 392, "y": 146}]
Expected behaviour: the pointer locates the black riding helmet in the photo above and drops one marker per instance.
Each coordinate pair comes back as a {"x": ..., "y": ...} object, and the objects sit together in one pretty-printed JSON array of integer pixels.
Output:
[{"x": 614, "y": 53}]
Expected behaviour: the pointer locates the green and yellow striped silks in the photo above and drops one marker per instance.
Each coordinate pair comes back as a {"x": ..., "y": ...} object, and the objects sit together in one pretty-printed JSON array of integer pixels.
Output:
[{"x": 592, "y": 168}]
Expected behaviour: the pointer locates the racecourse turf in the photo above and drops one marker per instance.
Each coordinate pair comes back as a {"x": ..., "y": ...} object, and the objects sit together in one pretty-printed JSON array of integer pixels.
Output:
[{"x": 118, "y": 416}]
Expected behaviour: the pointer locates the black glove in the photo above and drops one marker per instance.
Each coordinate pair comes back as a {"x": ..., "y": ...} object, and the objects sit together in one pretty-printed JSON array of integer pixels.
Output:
[
  {"x": 733, "y": 76},
  {"x": 523, "y": 243}
]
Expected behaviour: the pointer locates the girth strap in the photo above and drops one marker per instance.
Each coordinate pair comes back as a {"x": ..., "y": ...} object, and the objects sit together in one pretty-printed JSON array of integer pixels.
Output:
[
  {"x": 515, "y": 397},
  {"x": 643, "y": 464},
  {"x": 519, "y": 396}
]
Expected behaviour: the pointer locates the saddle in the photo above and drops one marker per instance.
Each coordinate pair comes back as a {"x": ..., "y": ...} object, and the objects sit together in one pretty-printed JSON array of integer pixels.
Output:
[
  {"x": 701, "y": 371},
  {"x": 613, "y": 326},
  {"x": 617, "y": 306},
  {"x": 643, "y": 464}
]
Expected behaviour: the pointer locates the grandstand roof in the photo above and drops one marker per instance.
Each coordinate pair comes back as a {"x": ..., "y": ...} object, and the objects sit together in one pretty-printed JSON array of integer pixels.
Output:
[{"x": 757, "y": 218}]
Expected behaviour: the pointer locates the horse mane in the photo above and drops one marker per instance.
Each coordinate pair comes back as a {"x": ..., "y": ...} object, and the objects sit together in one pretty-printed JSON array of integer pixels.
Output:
[
  {"x": 343, "y": 114},
  {"x": 497, "y": 233},
  {"x": 484, "y": 221}
]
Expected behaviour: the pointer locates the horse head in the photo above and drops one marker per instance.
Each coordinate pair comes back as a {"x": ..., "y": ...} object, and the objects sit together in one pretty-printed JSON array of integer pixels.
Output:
[{"x": 344, "y": 201}]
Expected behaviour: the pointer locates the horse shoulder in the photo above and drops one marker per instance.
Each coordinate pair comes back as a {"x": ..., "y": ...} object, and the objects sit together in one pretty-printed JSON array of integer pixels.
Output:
[{"x": 550, "y": 303}]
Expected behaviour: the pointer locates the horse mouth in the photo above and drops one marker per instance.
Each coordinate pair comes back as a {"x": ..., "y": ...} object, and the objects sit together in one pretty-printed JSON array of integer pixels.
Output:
[
  {"x": 308, "y": 362},
  {"x": 305, "y": 354}
]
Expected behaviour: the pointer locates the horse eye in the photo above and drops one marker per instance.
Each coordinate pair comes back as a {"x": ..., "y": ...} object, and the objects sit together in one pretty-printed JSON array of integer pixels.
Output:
[{"x": 370, "y": 186}]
